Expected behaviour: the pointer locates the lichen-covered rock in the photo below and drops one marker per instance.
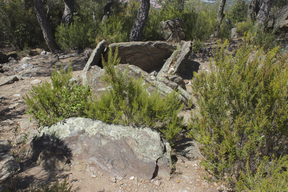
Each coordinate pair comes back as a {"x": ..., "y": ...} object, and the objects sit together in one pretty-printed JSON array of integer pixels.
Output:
[{"x": 115, "y": 149}]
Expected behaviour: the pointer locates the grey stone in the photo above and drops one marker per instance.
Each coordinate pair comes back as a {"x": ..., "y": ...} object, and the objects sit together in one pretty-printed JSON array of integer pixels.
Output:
[
  {"x": 25, "y": 59},
  {"x": 115, "y": 149},
  {"x": 94, "y": 59},
  {"x": 20, "y": 139},
  {"x": 67, "y": 56},
  {"x": 281, "y": 20},
  {"x": 8, "y": 166},
  {"x": 4, "y": 145},
  {"x": 8, "y": 80},
  {"x": 35, "y": 82},
  {"x": 233, "y": 33},
  {"x": 172, "y": 30},
  {"x": 179, "y": 80},
  {"x": 148, "y": 56}
]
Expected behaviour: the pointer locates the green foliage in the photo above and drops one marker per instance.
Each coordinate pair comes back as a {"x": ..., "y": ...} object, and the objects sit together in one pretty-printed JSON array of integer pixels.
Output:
[
  {"x": 269, "y": 176},
  {"x": 127, "y": 102},
  {"x": 244, "y": 27},
  {"x": 75, "y": 35},
  {"x": 113, "y": 30},
  {"x": 18, "y": 23},
  {"x": 64, "y": 99},
  {"x": 238, "y": 11},
  {"x": 243, "y": 110},
  {"x": 56, "y": 187}
]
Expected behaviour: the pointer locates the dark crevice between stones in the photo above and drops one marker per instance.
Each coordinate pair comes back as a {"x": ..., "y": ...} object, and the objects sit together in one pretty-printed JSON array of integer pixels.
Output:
[{"x": 156, "y": 170}]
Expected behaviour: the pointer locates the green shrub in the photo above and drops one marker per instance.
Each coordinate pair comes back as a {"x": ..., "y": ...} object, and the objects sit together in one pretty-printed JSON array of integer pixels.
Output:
[
  {"x": 238, "y": 11},
  {"x": 114, "y": 29},
  {"x": 243, "y": 110},
  {"x": 127, "y": 102},
  {"x": 270, "y": 176},
  {"x": 74, "y": 36},
  {"x": 18, "y": 24},
  {"x": 244, "y": 27},
  {"x": 64, "y": 99}
]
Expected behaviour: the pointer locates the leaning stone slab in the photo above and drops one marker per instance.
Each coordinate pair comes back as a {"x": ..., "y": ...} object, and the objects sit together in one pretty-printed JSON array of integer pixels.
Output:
[
  {"x": 174, "y": 64},
  {"x": 148, "y": 56},
  {"x": 93, "y": 59},
  {"x": 115, "y": 149},
  {"x": 8, "y": 166}
]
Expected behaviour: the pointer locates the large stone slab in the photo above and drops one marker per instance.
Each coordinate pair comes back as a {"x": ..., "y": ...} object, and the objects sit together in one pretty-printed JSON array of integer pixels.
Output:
[
  {"x": 92, "y": 145},
  {"x": 148, "y": 56}
]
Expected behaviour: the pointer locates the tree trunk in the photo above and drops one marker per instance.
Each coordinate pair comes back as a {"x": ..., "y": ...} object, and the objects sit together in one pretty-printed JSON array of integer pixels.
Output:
[
  {"x": 220, "y": 17},
  {"x": 139, "y": 23},
  {"x": 45, "y": 26},
  {"x": 265, "y": 8},
  {"x": 68, "y": 11},
  {"x": 251, "y": 14}
]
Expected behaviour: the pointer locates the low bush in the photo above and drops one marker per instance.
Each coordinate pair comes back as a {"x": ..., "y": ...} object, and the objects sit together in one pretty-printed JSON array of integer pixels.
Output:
[
  {"x": 243, "y": 109},
  {"x": 63, "y": 99},
  {"x": 127, "y": 102}
]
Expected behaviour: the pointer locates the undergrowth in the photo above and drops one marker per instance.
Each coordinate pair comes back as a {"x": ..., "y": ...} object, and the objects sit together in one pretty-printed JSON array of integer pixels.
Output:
[
  {"x": 242, "y": 118},
  {"x": 126, "y": 101}
]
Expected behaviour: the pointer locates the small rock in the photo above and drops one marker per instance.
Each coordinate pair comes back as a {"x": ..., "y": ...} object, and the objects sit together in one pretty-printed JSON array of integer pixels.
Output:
[
  {"x": 43, "y": 53},
  {"x": 178, "y": 181},
  {"x": 36, "y": 82},
  {"x": 93, "y": 176},
  {"x": 157, "y": 183},
  {"x": 48, "y": 53},
  {"x": 20, "y": 139},
  {"x": 8, "y": 121},
  {"x": 16, "y": 95},
  {"x": 185, "y": 177},
  {"x": 131, "y": 178},
  {"x": 25, "y": 59},
  {"x": 13, "y": 106},
  {"x": 4, "y": 145},
  {"x": 112, "y": 179}
]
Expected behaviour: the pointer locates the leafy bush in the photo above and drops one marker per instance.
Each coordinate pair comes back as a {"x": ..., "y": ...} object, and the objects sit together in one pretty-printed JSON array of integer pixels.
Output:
[
  {"x": 243, "y": 110},
  {"x": 127, "y": 102},
  {"x": 64, "y": 99}
]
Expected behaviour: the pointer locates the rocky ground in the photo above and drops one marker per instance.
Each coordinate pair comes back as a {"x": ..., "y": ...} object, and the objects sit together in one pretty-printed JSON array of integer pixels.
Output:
[{"x": 16, "y": 79}]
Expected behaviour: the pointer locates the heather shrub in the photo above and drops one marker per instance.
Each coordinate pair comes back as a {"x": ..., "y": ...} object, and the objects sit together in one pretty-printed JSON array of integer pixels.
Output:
[
  {"x": 63, "y": 99},
  {"x": 242, "y": 116},
  {"x": 127, "y": 102}
]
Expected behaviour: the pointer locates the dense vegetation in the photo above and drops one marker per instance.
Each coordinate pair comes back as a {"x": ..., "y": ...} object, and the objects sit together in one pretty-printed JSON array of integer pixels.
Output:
[{"x": 241, "y": 122}]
